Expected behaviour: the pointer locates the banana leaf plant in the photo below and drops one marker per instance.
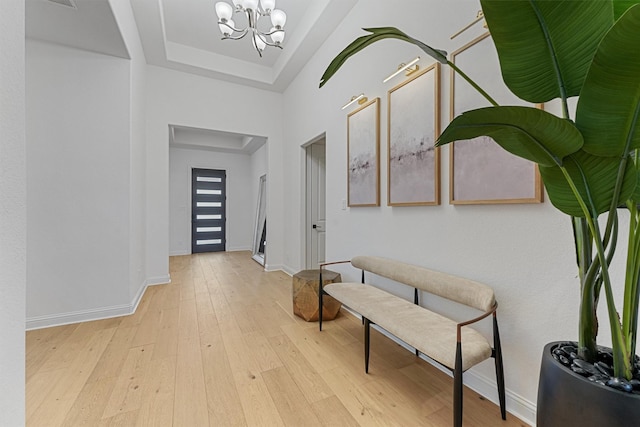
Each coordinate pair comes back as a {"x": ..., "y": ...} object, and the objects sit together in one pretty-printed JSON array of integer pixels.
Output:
[{"x": 558, "y": 49}]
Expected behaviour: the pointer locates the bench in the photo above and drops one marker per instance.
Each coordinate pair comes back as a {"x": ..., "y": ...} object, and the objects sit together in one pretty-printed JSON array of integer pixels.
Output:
[{"x": 452, "y": 344}]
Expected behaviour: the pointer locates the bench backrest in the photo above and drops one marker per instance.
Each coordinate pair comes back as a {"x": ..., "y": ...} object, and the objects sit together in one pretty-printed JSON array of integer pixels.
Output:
[{"x": 458, "y": 289}]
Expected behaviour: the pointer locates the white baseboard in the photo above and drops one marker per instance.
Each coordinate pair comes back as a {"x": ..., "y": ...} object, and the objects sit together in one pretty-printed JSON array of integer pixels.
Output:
[
  {"x": 182, "y": 252},
  {"x": 279, "y": 267},
  {"x": 48, "y": 321},
  {"x": 239, "y": 249},
  {"x": 272, "y": 267},
  {"x": 486, "y": 387},
  {"x": 160, "y": 280},
  {"x": 100, "y": 313},
  {"x": 516, "y": 404},
  {"x": 289, "y": 270},
  {"x": 179, "y": 253}
]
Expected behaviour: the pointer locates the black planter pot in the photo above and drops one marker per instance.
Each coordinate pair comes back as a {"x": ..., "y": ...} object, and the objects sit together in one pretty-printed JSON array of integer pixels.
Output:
[{"x": 568, "y": 399}]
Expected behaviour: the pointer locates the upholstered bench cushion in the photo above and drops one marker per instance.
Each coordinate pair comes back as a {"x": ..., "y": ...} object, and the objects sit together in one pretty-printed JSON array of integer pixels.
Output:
[{"x": 428, "y": 332}]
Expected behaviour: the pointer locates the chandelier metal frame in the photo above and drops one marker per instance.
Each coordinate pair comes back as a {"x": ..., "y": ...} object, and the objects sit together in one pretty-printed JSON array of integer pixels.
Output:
[{"x": 253, "y": 11}]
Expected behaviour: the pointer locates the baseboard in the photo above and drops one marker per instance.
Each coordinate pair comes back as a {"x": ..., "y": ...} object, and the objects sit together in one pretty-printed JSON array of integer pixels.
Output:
[
  {"x": 486, "y": 387},
  {"x": 273, "y": 267},
  {"x": 239, "y": 249},
  {"x": 179, "y": 253},
  {"x": 516, "y": 404},
  {"x": 288, "y": 270},
  {"x": 160, "y": 280},
  {"x": 279, "y": 267},
  {"x": 101, "y": 313},
  {"x": 40, "y": 322}
]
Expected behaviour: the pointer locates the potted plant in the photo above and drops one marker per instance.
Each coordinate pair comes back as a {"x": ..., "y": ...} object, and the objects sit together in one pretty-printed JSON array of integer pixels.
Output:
[{"x": 558, "y": 49}]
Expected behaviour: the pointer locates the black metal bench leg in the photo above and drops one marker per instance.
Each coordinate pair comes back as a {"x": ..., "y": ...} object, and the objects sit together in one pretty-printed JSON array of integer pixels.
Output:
[
  {"x": 457, "y": 388},
  {"x": 416, "y": 301},
  {"x": 320, "y": 310},
  {"x": 320, "y": 293},
  {"x": 362, "y": 281},
  {"x": 367, "y": 333},
  {"x": 499, "y": 368}
]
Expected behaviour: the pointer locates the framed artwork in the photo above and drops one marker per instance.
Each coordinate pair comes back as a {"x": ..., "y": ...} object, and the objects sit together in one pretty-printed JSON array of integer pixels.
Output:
[
  {"x": 363, "y": 155},
  {"x": 413, "y": 126},
  {"x": 480, "y": 171}
]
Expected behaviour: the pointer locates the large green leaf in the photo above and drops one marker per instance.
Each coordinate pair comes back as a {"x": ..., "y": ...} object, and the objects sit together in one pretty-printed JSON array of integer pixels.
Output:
[
  {"x": 595, "y": 179},
  {"x": 608, "y": 113},
  {"x": 635, "y": 197},
  {"x": 527, "y": 132},
  {"x": 377, "y": 34},
  {"x": 545, "y": 46},
  {"x": 621, "y": 6}
]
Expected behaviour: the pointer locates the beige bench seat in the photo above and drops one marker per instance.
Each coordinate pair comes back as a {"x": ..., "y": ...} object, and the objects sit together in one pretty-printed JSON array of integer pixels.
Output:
[
  {"x": 424, "y": 330},
  {"x": 455, "y": 345}
]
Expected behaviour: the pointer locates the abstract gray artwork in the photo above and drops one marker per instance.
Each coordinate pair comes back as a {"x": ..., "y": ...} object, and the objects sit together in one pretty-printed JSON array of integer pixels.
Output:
[
  {"x": 480, "y": 172},
  {"x": 413, "y": 168},
  {"x": 363, "y": 142}
]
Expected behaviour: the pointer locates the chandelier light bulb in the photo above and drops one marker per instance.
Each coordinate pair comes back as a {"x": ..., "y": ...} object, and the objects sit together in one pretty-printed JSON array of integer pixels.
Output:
[
  {"x": 278, "y": 18},
  {"x": 250, "y": 4},
  {"x": 277, "y": 36},
  {"x": 268, "y": 5},
  {"x": 260, "y": 44},
  {"x": 224, "y": 10},
  {"x": 226, "y": 31},
  {"x": 253, "y": 11}
]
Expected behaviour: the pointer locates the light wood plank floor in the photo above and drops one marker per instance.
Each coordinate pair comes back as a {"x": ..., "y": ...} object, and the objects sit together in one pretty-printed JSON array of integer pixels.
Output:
[{"x": 219, "y": 346}]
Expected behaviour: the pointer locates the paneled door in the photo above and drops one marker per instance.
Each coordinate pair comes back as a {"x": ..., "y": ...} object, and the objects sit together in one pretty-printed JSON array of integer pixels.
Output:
[
  {"x": 208, "y": 210},
  {"x": 316, "y": 198}
]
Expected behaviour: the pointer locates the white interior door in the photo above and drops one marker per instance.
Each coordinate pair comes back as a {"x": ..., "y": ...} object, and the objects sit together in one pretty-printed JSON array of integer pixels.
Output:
[{"x": 316, "y": 199}]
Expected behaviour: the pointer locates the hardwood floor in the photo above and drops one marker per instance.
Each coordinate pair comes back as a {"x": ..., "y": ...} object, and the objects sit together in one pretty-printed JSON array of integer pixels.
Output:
[{"x": 220, "y": 346}]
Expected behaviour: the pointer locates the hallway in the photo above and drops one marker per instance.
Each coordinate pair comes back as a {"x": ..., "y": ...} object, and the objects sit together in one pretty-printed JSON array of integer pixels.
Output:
[{"x": 220, "y": 346}]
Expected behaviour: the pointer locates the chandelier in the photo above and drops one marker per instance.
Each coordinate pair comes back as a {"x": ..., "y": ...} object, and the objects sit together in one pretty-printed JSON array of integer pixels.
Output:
[{"x": 253, "y": 12}]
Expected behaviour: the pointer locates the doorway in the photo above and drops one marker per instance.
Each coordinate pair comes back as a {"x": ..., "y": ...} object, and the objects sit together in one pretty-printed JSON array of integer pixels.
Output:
[
  {"x": 315, "y": 203},
  {"x": 208, "y": 210}
]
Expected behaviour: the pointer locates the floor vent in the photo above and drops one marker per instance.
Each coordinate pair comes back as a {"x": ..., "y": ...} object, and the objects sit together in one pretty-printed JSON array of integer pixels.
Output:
[{"x": 67, "y": 3}]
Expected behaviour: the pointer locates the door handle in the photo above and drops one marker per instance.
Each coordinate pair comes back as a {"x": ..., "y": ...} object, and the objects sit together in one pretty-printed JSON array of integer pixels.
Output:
[{"x": 314, "y": 226}]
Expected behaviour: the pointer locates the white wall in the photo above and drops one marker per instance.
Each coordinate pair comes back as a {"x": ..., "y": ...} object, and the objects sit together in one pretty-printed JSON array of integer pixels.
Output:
[
  {"x": 12, "y": 212},
  {"x": 78, "y": 132},
  {"x": 259, "y": 166},
  {"x": 175, "y": 98},
  {"x": 86, "y": 180},
  {"x": 137, "y": 147},
  {"x": 240, "y": 208},
  {"x": 525, "y": 252}
]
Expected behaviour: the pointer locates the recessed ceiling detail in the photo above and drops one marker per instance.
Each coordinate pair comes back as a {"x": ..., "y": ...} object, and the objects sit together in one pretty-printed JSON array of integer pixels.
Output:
[
  {"x": 185, "y": 36},
  {"x": 68, "y": 3},
  {"x": 81, "y": 24},
  {"x": 254, "y": 14},
  {"x": 214, "y": 140}
]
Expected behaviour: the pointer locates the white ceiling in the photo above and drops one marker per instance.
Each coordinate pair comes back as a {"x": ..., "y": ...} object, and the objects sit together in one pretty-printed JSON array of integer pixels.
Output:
[
  {"x": 88, "y": 25},
  {"x": 207, "y": 139},
  {"x": 183, "y": 35}
]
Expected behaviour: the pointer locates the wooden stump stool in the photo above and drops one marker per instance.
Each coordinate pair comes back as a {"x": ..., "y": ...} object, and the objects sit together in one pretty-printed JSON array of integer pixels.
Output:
[{"x": 305, "y": 295}]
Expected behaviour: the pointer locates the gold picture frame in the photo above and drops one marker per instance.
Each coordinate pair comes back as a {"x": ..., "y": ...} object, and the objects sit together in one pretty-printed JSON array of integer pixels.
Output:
[
  {"x": 363, "y": 155},
  {"x": 413, "y": 125},
  {"x": 480, "y": 171}
]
